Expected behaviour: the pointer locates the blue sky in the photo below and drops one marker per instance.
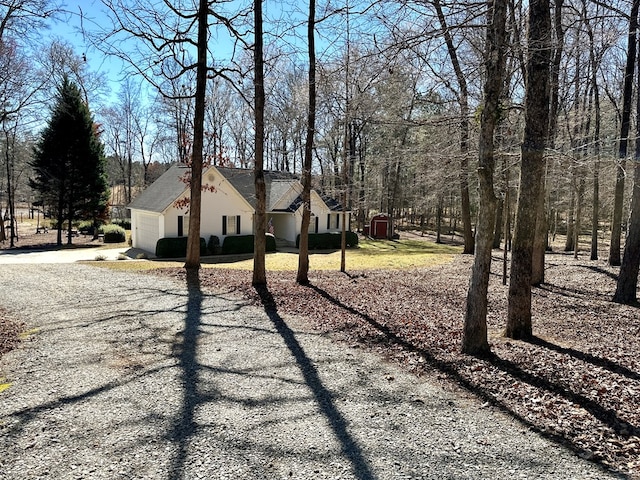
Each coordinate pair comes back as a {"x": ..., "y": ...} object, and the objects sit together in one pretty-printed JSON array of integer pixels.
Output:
[{"x": 70, "y": 32}]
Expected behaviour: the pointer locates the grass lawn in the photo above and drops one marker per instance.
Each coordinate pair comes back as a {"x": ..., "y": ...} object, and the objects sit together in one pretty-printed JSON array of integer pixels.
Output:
[{"x": 369, "y": 255}]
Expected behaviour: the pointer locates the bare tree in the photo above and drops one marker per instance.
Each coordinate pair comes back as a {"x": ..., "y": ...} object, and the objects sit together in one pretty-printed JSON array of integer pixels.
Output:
[
  {"x": 474, "y": 340},
  {"x": 303, "y": 256},
  {"x": 627, "y": 94},
  {"x": 627, "y": 284},
  {"x": 532, "y": 170},
  {"x": 259, "y": 267},
  {"x": 463, "y": 100}
]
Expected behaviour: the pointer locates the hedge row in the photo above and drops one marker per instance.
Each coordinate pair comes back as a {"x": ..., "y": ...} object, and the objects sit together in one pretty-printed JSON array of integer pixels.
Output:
[
  {"x": 176, "y": 247},
  {"x": 234, "y": 244},
  {"x": 238, "y": 244},
  {"x": 329, "y": 240}
]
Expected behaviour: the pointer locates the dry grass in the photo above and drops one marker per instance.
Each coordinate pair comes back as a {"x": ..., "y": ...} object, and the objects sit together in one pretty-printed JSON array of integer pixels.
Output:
[{"x": 370, "y": 255}]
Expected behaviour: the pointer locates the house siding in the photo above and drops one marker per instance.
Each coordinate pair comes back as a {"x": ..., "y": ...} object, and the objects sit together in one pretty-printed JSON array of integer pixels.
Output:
[{"x": 220, "y": 200}]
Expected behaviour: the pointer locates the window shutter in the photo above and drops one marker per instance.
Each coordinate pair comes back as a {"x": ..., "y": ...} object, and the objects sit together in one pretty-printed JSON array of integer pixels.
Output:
[
  {"x": 180, "y": 226},
  {"x": 238, "y": 225},
  {"x": 328, "y": 221},
  {"x": 224, "y": 225},
  {"x": 337, "y": 220},
  {"x": 317, "y": 222}
]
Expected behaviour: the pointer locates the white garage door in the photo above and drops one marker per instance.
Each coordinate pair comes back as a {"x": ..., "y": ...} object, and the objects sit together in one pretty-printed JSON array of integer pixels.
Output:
[{"x": 147, "y": 232}]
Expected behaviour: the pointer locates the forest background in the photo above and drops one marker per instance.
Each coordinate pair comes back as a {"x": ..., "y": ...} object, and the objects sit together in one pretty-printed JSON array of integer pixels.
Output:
[{"x": 412, "y": 73}]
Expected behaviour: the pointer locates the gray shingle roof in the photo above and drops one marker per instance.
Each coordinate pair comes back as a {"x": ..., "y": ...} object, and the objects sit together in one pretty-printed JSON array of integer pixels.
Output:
[{"x": 163, "y": 192}]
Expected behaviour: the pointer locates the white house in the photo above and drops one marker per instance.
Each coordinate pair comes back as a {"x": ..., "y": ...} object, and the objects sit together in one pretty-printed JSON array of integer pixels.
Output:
[{"x": 228, "y": 207}]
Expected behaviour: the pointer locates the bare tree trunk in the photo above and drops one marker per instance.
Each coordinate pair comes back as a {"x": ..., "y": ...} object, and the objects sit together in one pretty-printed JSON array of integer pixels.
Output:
[
  {"x": 568, "y": 244},
  {"x": 577, "y": 226},
  {"x": 303, "y": 255},
  {"x": 627, "y": 286},
  {"x": 533, "y": 145},
  {"x": 474, "y": 340},
  {"x": 195, "y": 203},
  {"x": 463, "y": 100},
  {"x": 595, "y": 213},
  {"x": 539, "y": 241},
  {"x": 627, "y": 94},
  {"x": 259, "y": 262}
]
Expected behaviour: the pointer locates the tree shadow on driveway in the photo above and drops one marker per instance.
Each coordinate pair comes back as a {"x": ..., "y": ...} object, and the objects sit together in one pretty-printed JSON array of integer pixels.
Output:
[{"x": 323, "y": 397}]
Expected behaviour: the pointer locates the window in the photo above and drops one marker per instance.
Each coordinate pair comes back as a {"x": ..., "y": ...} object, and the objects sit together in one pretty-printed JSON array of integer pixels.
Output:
[
  {"x": 313, "y": 224},
  {"x": 333, "y": 221},
  {"x": 231, "y": 225},
  {"x": 183, "y": 225}
]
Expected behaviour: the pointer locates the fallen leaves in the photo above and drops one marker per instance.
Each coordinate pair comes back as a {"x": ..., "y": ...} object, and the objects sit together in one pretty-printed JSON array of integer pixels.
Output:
[
  {"x": 577, "y": 381},
  {"x": 10, "y": 331}
]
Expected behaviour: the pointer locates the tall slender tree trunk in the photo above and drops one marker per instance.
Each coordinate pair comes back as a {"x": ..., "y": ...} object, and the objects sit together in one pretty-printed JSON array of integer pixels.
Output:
[
  {"x": 532, "y": 170},
  {"x": 195, "y": 203},
  {"x": 474, "y": 340},
  {"x": 627, "y": 285},
  {"x": 627, "y": 95},
  {"x": 259, "y": 262},
  {"x": 595, "y": 212},
  {"x": 463, "y": 100},
  {"x": 303, "y": 255}
]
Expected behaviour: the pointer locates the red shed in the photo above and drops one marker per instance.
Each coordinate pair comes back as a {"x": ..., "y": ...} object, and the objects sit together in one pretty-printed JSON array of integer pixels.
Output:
[{"x": 380, "y": 226}]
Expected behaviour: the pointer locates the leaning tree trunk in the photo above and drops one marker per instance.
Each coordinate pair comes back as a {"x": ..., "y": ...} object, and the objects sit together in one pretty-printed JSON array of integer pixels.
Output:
[
  {"x": 532, "y": 170},
  {"x": 463, "y": 100},
  {"x": 474, "y": 340}
]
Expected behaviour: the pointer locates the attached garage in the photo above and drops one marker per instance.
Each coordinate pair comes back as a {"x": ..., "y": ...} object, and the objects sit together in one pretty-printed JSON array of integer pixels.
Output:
[{"x": 147, "y": 230}]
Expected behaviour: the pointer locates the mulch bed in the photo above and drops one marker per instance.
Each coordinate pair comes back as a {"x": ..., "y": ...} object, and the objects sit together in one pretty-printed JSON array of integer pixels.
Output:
[{"x": 577, "y": 382}]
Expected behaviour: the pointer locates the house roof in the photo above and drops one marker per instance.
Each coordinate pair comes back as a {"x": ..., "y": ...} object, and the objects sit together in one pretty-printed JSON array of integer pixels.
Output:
[
  {"x": 332, "y": 203},
  {"x": 158, "y": 196},
  {"x": 277, "y": 184},
  {"x": 163, "y": 192}
]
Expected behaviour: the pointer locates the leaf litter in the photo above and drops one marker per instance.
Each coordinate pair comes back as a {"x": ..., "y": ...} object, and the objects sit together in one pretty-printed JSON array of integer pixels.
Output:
[{"x": 577, "y": 381}]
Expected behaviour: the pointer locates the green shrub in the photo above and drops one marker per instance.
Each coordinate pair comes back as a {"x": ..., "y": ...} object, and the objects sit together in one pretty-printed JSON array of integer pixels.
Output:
[
  {"x": 176, "y": 247},
  {"x": 329, "y": 240},
  {"x": 113, "y": 233},
  {"x": 239, "y": 244},
  {"x": 352, "y": 239},
  {"x": 213, "y": 246},
  {"x": 271, "y": 243}
]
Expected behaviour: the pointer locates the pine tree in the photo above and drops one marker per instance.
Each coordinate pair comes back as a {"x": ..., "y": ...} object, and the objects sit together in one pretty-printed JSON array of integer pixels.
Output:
[{"x": 69, "y": 162}]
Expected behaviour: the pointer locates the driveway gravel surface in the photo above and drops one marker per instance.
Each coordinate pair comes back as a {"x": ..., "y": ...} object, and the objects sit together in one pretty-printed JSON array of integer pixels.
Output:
[{"x": 132, "y": 376}]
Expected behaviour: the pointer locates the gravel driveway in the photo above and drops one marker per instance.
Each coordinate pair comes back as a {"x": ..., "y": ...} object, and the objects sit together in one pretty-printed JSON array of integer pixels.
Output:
[{"x": 130, "y": 376}]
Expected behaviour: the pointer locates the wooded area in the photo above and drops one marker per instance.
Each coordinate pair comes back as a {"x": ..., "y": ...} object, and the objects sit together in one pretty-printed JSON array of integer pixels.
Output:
[{"x": 395, "y": 107}]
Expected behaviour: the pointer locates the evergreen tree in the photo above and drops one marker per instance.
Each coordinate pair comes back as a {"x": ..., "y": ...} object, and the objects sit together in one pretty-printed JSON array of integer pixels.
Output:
[{"x": 69, "y": 162}]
